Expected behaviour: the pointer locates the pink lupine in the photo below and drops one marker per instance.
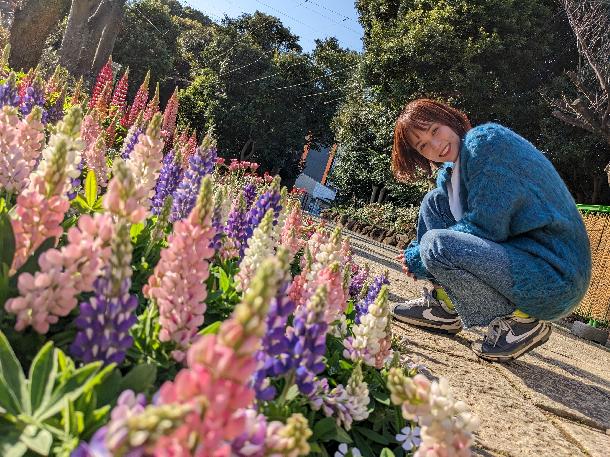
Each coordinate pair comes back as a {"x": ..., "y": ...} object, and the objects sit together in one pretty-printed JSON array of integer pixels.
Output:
[
  {"x": 31, "y": 137},
  {"x": 37, "y": 217},
  {"x": 14, "y": 167},
  {"x": 291, "y": 232},
  {"x": 104, "y": 77},
  {"x": 121, "y": 199},
  {"x": 169, "y": 118},
  {"x": 64, "y": 273},
  {"x": 119, "y": 99},
  {"x": 139, "y": 102},
  {"x": 146, "y": 160},
  {"x": 95, "y": 158},
  {"x": 90, "y": 130},
  {"x": 111, "y": 130},
  {"x": 178, "y": 283},
  {"x": 189, "y": 148},
  {"x": 153, "y": 106}
]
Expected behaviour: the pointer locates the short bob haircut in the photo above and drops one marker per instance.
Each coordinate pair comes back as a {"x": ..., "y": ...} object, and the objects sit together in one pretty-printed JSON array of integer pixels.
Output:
[{"x": 419, "y": 114}]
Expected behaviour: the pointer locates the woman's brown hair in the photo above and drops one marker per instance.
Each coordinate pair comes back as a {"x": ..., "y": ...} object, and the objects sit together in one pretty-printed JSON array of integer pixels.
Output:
[{"x": 419, "y": 114}]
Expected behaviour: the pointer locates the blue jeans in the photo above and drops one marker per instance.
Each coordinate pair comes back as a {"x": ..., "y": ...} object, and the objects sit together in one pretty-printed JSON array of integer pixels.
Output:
[{"x": 474, "y": 272}]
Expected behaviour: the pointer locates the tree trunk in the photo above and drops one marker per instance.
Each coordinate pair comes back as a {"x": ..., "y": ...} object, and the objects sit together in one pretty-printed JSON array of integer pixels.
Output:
[
  {"x": 382, "y": 194},
  {"x": 597, "y": 187},
  {"x": 32, "y": 24},
  {"x": 373, "y": 198},
  {"x": 7, "y": 12},
  {"x": 92, "y": 29}
]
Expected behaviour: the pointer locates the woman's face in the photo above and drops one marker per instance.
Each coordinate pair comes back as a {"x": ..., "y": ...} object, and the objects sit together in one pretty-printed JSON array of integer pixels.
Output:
[{"x": 437, "y": 142}]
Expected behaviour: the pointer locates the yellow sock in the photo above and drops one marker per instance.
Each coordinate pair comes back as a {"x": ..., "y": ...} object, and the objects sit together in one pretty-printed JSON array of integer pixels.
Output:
[
  {"x": 442, "y": 295},
  {"x": 520, "y": 314}
]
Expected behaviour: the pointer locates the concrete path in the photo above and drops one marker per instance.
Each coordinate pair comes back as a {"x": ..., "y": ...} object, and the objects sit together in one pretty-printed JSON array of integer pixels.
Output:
[{"x": 552, "y": 402}]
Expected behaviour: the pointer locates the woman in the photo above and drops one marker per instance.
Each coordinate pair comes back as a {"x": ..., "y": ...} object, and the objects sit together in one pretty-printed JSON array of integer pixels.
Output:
[{"x": 500, "y": 237}]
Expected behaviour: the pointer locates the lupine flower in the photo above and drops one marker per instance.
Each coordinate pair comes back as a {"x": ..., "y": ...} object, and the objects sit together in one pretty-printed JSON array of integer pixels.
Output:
[
  {"x": 16, "y": 152},
  {"x": 121, "y": 198},
  {"x": 9, "y": 95},
  {"x": 111, "y": 130},
  {"x": 409, "y": 437},
  {"x": 251, "y": 443},
  {"x": 139, "y": 103},
  {"x": 95, "y": 159},
  {"x": 145, "y": 161},
  {"x": 153, "y": 106},
  {"x": 34, "y": 96},
  {"x": 259, "y": 248},
  {"x": 41, "y": 207},
  {"x": 446, "y": 424},
  {"x": 169, "y": 117},
  {"x": 51, "y": 292},
  {"x": 178, "y": 283},
  {"x": 371, "y": 336},
  {"x": 357, "y": 282},
  {"x": 104, "y": 78},
  {"x": 119, "y": 98},
  {"x": 236, "y": 225},
  {"x": 77, "y": 93},
  {"x": 362, "y": 306},
  {"x": 158, "y": 231},
  {"x": 249, "y": 194},
  {"x": 345, "y": 404},
  {"x": 56, "y": 111},
  {"x": 289, "y": 440},
  {"x": 220, "y": 215},
  {"x": 31, "y": 137},
  {"x": 167, "y": 183},
  {"x": 345, "y": 451},
  {"x": 291, "y": 232},
  {"x": 200, "y": 165},
  {"x": 130, "y": 141},
  {"x": 268, "y": 200}
]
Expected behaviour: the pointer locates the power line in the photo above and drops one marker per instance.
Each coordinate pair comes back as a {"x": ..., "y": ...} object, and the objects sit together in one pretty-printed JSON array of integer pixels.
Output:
[
  {"x": 315, "y": 79},
  {"x": 286, "y": 15},
  {"x": 332, "y": 19}
]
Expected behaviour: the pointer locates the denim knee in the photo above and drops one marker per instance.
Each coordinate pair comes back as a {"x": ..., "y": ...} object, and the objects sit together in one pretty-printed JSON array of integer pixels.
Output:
[
  {"x": 434, "y": 199},
  {"x": 435, "y": 249}
]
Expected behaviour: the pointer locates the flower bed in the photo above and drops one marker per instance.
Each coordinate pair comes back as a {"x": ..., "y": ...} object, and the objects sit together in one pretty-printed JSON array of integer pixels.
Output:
[
  {"x": 159, "y": 302},
  {"x": 385, "y": 222}
]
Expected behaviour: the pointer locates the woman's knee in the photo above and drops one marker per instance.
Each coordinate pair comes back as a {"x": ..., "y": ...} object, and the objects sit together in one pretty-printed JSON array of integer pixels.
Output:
[
  {"x": 436, "y": 248},
  {"x": 433, "y": 198}
]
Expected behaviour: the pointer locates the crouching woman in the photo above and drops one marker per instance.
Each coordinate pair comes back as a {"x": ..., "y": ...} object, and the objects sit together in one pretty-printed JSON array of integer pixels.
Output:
[{"x": 500, "y": 238}]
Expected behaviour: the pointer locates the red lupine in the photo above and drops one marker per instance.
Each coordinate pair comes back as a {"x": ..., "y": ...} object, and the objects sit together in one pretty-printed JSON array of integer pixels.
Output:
[
  {"x": 139, "y": 102},
  {"x": 169, "y": 118},
  {"x": 103, "y": 78},
  {"x": 119, "y": 98}
]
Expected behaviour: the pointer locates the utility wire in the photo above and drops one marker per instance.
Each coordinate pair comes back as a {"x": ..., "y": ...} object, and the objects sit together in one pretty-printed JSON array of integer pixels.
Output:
[{"x": 341, "y": 23}]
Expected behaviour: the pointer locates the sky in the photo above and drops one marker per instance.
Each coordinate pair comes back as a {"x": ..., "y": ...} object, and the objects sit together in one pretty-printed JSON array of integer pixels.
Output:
[{"x": 308, "y": 19}]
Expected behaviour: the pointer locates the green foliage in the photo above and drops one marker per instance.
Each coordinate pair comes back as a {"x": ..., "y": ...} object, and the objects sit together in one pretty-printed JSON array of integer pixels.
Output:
[
  {"x": 400, "y": 218},
  {"x": 88, "y": 203},
  {"x": 55, "y": 405}
]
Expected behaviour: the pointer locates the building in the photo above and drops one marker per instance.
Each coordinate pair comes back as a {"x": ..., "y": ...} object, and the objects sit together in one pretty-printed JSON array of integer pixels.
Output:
[{"x": 317, "y": 165}]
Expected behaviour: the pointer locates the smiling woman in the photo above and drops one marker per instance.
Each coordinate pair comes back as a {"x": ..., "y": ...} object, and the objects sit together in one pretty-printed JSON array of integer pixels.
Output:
[{"x": 500, "y": 238}]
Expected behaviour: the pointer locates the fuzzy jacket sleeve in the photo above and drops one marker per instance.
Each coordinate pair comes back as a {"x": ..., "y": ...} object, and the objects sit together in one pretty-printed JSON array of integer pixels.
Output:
[
  {"x": 414, "y": 261},
  {"x": 502, "y": 197}
]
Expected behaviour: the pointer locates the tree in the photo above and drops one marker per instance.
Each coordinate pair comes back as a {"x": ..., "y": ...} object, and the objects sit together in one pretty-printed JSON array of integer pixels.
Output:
[
  {"x": 590, "y": 109},
  {"x": 32, "y": 22},
  {"x": 90, "y": 35},
  {"x": 486, "y": 57}
]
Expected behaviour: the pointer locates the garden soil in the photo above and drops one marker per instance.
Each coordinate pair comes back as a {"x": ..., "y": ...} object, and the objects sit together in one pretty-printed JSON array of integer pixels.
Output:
[{"x": 554, "y": 401}]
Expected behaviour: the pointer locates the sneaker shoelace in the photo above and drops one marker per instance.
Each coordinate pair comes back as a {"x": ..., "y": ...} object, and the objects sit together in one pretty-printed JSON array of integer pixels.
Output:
[
  {"x": 426, "y": 300},
  {"x": 495, "y": 329}
]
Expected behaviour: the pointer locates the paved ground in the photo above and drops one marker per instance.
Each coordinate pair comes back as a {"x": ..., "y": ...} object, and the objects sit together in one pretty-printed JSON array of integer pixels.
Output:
[{"x": 554, "y": 401}]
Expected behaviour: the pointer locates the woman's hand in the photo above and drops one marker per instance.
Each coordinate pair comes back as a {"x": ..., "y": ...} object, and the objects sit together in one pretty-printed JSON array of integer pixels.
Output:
[{"x": 400, "y": 258}]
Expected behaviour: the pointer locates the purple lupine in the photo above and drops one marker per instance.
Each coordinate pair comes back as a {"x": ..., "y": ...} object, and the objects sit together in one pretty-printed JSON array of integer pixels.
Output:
[
  {"x": 237, "y": 221},
  {"x": 56, "y": 112},
  {"x": 307, "y": 339},
  {"x": 249, "y": 194},
  {"x": 104, "y": 324},
  {"x": 130, "y": 142},
  {"x": 34, "y": 96},
  {"x": 274, "y": 356},
  {"x": 9, "y": 94},
  {"x": 251, "y": 443},
  {"x": 75, "y": 183},
  {"x": 200, "y": 164},
  {"x": 268, "y": 200},
  {"x": 357, "y": 282},
  {"x": 362, "y": 307},
  {"x": 169, "y": 176}
]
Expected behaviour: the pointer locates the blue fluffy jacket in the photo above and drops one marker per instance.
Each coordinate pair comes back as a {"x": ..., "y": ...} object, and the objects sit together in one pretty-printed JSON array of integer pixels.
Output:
[{"x": 511, "y": 194}]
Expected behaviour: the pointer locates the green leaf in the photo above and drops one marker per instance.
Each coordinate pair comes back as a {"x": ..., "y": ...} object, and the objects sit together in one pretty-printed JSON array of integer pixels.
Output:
[
  {"x": 224, "y": 281},
  {"x": 7, "y": 240},
  {"x": 327, "y": 430},
  {"x": 385, "y": 452},
  {"x": 382, "y": 397},
  {"x": 10, "y": 444},
  {"x": 12, "y": 373},
  {"x": 135, "y": 230},
  {"x": 37, "y": 439},
  {"x": 140, "y": 378},
  {"x": 42, "y": 376},
  {"x": 70, "y": 389},
  {"x": 8, "y": 400},
  {"x": 81, "y": 204},
  {"x": 108, "y": 391},
  {"x": 372, "y": 435},
  {"x": 211, "y": 329},
  {"x": 90, "y": 188},
  {"x": 292, "y": 393}
]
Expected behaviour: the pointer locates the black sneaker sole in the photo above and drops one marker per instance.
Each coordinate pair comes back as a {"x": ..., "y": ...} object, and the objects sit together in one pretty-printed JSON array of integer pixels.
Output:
[
  {"x": 538, "y": 340},
  {"x": 445, "y": 329}
]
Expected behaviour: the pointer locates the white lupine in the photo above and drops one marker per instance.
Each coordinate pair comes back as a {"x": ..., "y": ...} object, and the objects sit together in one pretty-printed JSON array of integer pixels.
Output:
[
  {"x": 358, "y": 392},
  {"x": 62, "y": 155},
  {"x": 260, "y": 246},
  {"x": 146, "y": 159},
  {"x": 373, "y": 328}
]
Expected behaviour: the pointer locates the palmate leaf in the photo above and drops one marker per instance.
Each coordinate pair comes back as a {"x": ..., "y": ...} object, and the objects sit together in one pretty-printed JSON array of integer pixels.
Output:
[
  {"x": 43, "y": 372},
  {"x": 12, "y": 377},
  {"x": 90, "y": 189}
]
